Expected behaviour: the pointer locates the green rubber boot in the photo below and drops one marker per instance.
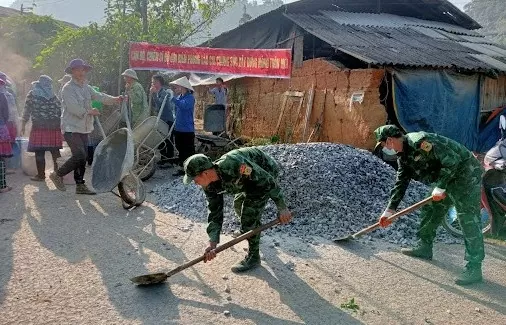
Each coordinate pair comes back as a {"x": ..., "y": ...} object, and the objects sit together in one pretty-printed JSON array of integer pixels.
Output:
[
  {"x": 248, "y": 263},
  {"x": 422, "y": 250},
  {"x": 472, "y": 274}
]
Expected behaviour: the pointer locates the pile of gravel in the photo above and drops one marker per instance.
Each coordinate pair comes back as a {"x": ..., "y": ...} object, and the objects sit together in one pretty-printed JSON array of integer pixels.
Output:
[{"x": 334, "y": 190}]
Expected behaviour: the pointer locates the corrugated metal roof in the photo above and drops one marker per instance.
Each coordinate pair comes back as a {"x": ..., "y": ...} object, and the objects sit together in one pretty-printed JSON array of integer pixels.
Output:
[
  {"x": 429, "y": 32},
  {"x": 489, "y": 50},
  {"x": 401, "y": 45},
  {"x": 393, "y": 21},
  {"x": 499, "y": 65}
]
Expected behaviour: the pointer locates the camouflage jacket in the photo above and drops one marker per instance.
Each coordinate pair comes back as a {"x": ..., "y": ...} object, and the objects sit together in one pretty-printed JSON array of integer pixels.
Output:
[
  {"x": 246, "y": 170},
  {"x": 431, "y": 159}
]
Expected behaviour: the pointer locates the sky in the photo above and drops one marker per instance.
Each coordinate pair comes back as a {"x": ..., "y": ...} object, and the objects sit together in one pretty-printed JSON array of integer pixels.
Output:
[{"x": 458, "y": 3}]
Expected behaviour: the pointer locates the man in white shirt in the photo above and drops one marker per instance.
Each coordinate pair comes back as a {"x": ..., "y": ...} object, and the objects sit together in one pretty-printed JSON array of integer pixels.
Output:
[{"x": 77, "y": 123}]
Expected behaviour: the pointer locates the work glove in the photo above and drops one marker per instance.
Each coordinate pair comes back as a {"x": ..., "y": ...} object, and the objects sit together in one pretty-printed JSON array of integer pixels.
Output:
[
  {"x": 383, "y": 220},
  {"x": 438, "y": 194}
]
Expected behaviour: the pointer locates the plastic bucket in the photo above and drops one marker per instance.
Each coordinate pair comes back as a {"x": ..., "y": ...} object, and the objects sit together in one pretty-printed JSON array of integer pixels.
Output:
[
  {"x": 15, "y": 161},
  {"x": 29, "y": 166}
]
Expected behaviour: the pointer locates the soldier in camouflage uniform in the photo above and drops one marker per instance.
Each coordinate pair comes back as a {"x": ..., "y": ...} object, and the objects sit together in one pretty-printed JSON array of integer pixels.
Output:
[
  {"x": 455, "y": 175},
  {"x": 251, "y": 175}
]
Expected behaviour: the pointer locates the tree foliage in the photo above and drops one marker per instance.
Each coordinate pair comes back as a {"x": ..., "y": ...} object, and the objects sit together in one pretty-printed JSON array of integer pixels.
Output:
[
  {"x": 26, "y": 35},
  {"x": 161, "y": 21},
  {"x": 491, "y": 14}
]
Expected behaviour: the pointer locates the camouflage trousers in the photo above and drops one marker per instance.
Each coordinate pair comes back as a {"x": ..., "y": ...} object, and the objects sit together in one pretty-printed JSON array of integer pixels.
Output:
[
  {"x": 249, "y": 209},
  {"x": 464, "y": 193}
]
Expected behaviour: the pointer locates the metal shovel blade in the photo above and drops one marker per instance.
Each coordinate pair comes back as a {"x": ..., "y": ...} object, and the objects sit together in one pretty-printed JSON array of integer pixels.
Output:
[
  {"x": 149, "y": 279},
  {"x": 344, "y": 239}
]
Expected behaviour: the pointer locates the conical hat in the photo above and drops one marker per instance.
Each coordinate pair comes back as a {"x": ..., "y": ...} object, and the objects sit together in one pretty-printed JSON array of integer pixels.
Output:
[
  {"x": 183, "y": 82},
  {"x": 130, "y": 73}
]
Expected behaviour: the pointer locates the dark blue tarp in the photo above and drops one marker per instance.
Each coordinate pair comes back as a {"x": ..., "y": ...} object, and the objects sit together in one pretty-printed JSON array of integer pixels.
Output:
[
  {"x": 489, "y": 134},
  {"x": 441, "y": 102}
]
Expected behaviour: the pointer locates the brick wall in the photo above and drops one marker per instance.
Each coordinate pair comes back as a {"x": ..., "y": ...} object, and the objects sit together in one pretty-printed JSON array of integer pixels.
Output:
[{"x": 258, "y": 102}]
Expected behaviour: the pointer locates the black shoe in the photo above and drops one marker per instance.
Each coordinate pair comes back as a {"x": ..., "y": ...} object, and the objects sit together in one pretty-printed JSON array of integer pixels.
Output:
[
  {"x": 38, "y": 178},
  {"x": 57, "y": 181}
]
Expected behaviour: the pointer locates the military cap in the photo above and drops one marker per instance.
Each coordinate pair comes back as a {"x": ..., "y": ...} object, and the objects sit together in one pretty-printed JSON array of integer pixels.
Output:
[
  {"x": 195, "y": 165},
  {"x": 387, "y": 131}
]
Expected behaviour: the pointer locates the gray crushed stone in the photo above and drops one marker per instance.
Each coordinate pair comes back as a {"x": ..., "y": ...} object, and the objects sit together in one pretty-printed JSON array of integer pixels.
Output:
[{"x": 334, "y": 190}]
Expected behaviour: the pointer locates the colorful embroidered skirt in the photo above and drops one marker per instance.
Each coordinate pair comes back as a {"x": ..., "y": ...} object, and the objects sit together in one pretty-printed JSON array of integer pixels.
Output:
[
  {"x": 44, "y": 139},
  {"x": 5, "y": 142}
]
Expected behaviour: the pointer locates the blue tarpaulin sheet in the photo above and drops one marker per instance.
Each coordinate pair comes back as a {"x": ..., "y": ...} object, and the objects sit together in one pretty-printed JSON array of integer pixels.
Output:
[
  {"x": 490, "y": 133},
  {"x": 441, "y": 102}
]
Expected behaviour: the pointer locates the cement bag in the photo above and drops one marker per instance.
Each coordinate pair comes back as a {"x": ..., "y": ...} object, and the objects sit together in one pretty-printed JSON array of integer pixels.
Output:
[{"x": 112, "y": 161}]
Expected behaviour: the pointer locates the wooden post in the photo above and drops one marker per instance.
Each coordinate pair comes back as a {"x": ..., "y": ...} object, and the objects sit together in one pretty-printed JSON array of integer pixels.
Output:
[
  {"x": 144, "y": 15},
  {"x": 121, "y": 46},
  {"x": 308, "y": 110},
  {"x": 318, "y": 126},
  {"x": 285, "y": 97},
  {"x": 301, "y": 101}
]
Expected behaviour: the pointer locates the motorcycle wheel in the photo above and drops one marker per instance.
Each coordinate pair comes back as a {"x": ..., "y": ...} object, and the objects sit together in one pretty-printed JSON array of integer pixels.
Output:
[{"x": 451, "y": 223}]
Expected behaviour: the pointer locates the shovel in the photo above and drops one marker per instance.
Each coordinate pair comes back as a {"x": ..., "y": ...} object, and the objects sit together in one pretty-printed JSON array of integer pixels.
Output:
[
  {"x": 156, "y": 278},
  {"x": 391, "y": 219}
]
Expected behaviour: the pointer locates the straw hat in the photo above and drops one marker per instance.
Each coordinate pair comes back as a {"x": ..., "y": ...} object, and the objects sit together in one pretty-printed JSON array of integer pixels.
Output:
[
  {"x": 183, "y": 82},
  {"x": 130, "y": 73}
]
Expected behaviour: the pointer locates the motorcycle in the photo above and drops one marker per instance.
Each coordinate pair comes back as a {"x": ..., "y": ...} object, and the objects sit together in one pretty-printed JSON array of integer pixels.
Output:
[{"x": 493, "y": 191}]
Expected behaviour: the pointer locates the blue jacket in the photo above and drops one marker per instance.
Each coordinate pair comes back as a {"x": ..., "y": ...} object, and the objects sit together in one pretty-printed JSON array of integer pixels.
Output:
[
  {"x": 168, "y": 109},
  {"x": 185, "y": 105}
]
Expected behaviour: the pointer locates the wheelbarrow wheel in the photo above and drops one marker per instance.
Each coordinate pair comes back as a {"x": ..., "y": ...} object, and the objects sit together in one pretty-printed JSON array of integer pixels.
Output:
[
  {"x": 127, "y": 206},
  {"x": 146, "y": 166},
  {"x": 132, "y": 191}
]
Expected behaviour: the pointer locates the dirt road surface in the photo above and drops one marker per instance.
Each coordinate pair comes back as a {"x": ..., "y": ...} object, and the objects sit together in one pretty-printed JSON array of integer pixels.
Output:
[{"x": 67, "y": 259}]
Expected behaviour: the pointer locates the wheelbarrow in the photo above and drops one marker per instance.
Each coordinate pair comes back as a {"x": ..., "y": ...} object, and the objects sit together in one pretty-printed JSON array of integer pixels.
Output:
[{"x": 113, "y": 161}]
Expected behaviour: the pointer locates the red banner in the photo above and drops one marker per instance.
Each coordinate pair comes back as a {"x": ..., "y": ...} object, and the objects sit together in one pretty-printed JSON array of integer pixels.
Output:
[{"x": 275, "y": 63}]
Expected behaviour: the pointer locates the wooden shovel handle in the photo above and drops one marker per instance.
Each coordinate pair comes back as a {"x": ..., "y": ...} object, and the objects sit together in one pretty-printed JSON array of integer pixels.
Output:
[
  {"x": 396, "y": 216},
  {"x": 225, "y": 246}
]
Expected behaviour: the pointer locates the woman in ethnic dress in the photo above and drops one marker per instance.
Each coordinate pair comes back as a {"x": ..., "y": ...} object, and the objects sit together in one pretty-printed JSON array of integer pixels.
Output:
[
  {"x": 44, "y": 108},
  {"x": 5, "y": 137}
]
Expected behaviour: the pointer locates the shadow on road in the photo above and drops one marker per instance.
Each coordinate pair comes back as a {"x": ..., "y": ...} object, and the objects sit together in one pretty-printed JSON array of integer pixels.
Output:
[
  {"x": 116, "y": 243},
  {"x": 358, "y": 248},
  {"x": 299, "y": 296},
  {"x": 493, "y": 290},
  {"x": 9, "y": 225},
  {"x": 497, "y": 252}
]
